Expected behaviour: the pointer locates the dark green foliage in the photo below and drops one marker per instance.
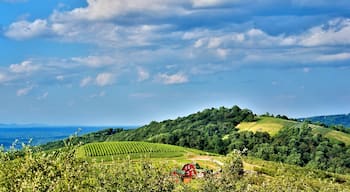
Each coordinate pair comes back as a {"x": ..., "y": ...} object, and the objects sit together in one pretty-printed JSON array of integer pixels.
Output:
[
  {"x": 299, "y": 146},
  {"x": 203, "y": 130}
]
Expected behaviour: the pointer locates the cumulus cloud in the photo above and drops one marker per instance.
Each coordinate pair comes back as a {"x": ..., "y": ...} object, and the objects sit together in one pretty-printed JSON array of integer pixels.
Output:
[
  {"x": 334, "y": 57},
  {"x": 85, "y": 81},
  {"x": 94, "y": 61},
  {"x": 26, "y": 30},
  {"x": 24, "y": 91},
  {"x": 142, "y": 74},
  {"x": 177, "y": 78},
  {"x": 211, "y": 3},
  {"x": 104, "y": 79},
  {"x": 24, "y": 67},
  {"x": 106, "y": 9},
  {"x": 335, "y": 32}
]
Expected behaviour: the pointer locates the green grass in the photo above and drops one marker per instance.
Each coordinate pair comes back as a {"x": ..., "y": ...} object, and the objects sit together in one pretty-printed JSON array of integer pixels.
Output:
[
  {"x": 312, "y": 177},
  {"x": 273, "y": 125},
  {"x": 266, "y": 124},
  {"x": 332, "y": 134}
]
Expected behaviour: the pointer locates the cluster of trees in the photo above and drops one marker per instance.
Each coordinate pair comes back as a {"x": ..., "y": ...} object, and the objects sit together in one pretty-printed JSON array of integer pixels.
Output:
[
  {"x": 203, "y": 130},
  {"x": 300, "y": 146}
]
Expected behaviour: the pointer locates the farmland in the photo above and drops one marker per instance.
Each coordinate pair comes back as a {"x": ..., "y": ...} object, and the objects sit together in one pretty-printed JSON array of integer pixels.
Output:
[{"x": 110, "y": 150}]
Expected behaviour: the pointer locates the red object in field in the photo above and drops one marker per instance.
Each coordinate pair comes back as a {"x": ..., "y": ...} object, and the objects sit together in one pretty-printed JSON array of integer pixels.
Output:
[{"x": 190, "y": 170}]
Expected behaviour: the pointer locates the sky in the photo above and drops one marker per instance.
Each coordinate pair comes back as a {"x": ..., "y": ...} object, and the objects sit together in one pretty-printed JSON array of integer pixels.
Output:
[{"x": 128, "y": 62}]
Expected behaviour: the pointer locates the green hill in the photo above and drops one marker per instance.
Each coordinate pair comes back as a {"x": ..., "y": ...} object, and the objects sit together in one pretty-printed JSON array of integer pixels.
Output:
[
  {"x": 329, "y": 120},
  {"x": 203, "y": 130}
]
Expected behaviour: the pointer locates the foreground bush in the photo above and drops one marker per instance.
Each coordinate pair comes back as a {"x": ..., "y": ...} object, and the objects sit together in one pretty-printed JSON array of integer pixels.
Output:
[{"x": 63, "y": 171}]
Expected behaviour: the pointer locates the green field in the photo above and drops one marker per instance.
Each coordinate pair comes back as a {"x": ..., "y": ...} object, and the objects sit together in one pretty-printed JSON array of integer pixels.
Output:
[
  {"x": 130, "y": 149},
  {"x": 266, "y": 124}
]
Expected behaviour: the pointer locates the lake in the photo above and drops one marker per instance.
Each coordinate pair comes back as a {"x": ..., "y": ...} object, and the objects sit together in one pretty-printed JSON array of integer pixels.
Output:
[{"x": 41, "y": 135}]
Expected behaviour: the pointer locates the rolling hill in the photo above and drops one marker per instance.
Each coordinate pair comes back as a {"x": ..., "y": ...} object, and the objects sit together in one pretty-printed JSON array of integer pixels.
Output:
[
  {"x": 273, "y": 125},
  {"x": 330, "y": 120}
]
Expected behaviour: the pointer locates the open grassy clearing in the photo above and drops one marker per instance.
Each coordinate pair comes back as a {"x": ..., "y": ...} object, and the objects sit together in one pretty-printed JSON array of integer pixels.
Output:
[
  {"x": 273, "y": 125},
  {"x": 266, "y": 124},
  {"x": 332, "y": 134}
]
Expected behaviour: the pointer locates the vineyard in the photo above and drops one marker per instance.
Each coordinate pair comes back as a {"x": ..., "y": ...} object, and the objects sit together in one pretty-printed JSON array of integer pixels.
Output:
[{"x": 128, "y": 148}]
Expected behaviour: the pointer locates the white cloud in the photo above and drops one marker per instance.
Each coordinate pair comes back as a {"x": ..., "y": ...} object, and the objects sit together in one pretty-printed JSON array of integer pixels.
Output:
[
  {"x": 60, "y": 77},
  {"x": 177, "y": 78},
  {"x": 104, "y": 79},
  {"x": 222, "y": 52},
  {"x": 142, "y": 74},
  {"x": 334, "y": 57},
  {"x": 214, "y": 42},
  {"x": 106, "y": 9},
  {"x": 43, "y": 96},
  {"x": 335, "y": 32},
  {"x": 199, "y": 43},
  {"x": 3, "y": 77},
  {"x": 24, "y": 91},
  {"x": 86, "y": 81},
  {"x": 210, "y": 3},
  {"x": 25, "y": 30},
  {"x": 94, "y": 61},
  {"x": 24, "y": 67}
]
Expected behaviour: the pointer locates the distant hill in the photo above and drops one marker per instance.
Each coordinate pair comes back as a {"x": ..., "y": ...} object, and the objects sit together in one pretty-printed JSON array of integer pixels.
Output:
[{"x": 330, "y": 120}]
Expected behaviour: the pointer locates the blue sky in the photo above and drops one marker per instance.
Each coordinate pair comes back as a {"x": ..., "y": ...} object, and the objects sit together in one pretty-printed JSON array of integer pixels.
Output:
[{"x": 114, "y": 62}]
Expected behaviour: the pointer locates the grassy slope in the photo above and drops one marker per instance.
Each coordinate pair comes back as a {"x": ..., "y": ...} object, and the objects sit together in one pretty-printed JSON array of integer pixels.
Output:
[
  {"x": 294, "y": 174},
  {"x": 266, "y": 124},
  {"x": 165, "y": 151},
  {"x": 273, "y": 125}
]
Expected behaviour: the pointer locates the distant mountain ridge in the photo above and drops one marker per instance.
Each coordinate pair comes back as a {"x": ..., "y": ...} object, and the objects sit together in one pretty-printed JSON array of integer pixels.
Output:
[{"x": 341, "y": 119}]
